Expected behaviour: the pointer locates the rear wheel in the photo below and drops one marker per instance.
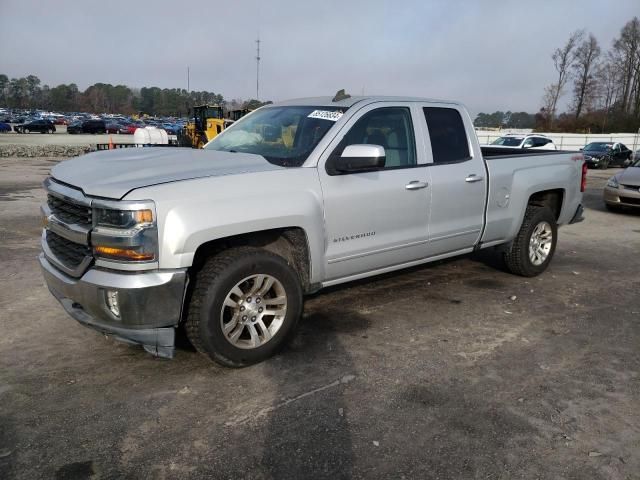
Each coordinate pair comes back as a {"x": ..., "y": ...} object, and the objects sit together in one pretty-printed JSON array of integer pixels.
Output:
[
  {"x": 534, "y": 246},
  {"x": 245, "y": 306}
]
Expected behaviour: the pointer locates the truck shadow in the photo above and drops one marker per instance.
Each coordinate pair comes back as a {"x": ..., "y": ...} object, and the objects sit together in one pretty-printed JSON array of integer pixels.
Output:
[{"x": 307, "y": 432}]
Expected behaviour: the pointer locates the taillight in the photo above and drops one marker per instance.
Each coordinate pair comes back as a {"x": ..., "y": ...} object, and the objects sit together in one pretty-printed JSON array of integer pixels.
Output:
[{"x": 583, "y": 182}]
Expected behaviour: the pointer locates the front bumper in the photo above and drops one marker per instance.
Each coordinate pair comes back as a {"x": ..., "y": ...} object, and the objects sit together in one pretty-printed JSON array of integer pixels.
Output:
[
  {"x": 150, "y": 304},
  {"x": 622, "y": 196}
]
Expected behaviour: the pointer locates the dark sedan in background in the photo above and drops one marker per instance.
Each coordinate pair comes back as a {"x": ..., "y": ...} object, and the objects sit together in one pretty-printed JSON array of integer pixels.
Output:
[
  {"x": 606, "y": 154},
  {"x": 41, "y": 126},
  {"x": 87, "y": 126},
  {"x": 116, "y": 127}
]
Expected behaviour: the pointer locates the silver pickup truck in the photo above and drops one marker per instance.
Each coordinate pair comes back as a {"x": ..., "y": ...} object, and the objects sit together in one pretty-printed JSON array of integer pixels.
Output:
[{"x": 294, "y": 197}]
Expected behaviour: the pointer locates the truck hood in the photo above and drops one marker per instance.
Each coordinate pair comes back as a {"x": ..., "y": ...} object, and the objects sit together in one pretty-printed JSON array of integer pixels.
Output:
[{"x": 114, "y": 173}]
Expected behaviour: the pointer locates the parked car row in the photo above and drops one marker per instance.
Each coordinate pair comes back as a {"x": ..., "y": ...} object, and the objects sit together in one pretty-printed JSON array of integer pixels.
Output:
[
  {"x": 596, "y": 154},
  {"x": 79, "y": 122}
]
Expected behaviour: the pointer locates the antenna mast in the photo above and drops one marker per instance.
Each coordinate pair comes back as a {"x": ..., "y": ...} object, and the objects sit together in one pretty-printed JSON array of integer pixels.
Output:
[{"x": 258, "y": 68}]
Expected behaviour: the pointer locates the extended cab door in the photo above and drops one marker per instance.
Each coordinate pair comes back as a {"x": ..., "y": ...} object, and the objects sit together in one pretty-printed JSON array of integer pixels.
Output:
[
  {"x": 376, "y": 219},
  {"x": 458, "y": 180}
]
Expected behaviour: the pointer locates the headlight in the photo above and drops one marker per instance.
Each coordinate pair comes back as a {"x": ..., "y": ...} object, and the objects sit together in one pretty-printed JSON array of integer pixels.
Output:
[
  {"x": 106, "y": 217},
  {"x": 613, "y": 183},
  {"x": 125, "y": 232}
]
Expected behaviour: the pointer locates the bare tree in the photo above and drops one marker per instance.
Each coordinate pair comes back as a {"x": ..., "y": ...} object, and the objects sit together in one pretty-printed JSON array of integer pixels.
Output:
[
  {"x": 607, "y": 86},
  {"x": 584, "y": 68},
  {"x": 627, "y": 50},
  {"x": 563, "y": 60}
]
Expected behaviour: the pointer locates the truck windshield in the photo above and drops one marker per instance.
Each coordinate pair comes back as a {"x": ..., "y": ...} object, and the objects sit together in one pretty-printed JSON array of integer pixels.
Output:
[
  {"x": 285, "y": 136},
  {"x": 507, "y": 141}
]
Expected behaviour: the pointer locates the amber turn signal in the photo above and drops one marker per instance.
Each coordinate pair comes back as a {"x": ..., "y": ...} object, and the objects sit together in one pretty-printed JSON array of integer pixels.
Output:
[{"x": 123, "y": 253}]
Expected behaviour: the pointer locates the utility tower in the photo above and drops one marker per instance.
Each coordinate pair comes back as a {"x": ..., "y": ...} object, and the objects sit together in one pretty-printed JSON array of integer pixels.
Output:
[{"x": 258, "y": 69}]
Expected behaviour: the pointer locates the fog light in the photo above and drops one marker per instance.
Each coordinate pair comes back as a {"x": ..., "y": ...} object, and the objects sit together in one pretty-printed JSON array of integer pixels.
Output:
[{"x": 112, "y": 302}]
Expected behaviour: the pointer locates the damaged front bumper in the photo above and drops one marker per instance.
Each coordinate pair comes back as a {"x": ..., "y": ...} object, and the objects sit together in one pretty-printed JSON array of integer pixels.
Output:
[{"x": 137, "y": 308}]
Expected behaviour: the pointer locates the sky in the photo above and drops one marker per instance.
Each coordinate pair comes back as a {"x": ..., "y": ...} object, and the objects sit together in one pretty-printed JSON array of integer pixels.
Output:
[{"x": 489, "y": 54}]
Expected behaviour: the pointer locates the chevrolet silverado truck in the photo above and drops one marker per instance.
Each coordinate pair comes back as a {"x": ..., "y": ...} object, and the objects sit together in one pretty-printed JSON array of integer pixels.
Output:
[{"x": 226, "y": 241}]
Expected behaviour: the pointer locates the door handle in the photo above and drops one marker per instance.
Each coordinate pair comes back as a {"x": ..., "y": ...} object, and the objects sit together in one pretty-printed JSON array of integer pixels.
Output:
[
  {"x": 473, "y": 178},
  {"x": 416, "y": 185}
]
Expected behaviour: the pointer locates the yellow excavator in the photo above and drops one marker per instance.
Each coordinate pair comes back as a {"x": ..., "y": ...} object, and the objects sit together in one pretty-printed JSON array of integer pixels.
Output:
[{"x": 206, "y": 122}]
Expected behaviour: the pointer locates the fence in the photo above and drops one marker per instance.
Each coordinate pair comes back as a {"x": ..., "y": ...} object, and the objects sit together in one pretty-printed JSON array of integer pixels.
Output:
[{"x": 569, "y": 141}]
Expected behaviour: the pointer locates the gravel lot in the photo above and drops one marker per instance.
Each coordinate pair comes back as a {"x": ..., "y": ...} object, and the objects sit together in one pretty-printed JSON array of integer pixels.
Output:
[{"x": 435, "y": 372}]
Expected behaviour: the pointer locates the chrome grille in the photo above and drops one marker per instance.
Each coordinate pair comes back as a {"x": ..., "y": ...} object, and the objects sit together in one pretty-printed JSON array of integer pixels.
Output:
[
  {"x": 68, "y": 212},
  {"x": 71, "y": 254},
  {"x": 65, "y": 241}
]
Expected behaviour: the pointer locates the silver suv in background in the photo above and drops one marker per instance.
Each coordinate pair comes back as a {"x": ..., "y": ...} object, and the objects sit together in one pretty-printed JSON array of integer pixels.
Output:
[{"x": 536, "y": 142}]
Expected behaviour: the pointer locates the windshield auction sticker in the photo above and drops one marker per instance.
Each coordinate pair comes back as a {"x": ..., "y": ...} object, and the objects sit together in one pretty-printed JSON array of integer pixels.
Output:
[{"x": 325, "y": 115}]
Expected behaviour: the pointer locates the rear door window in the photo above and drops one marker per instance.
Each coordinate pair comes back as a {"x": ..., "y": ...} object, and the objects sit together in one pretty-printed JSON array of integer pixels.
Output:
[{"x": 448, "y": 136}]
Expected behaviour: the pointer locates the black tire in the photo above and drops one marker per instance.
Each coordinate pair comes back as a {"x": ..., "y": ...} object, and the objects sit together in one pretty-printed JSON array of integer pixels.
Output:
[
  {"x": 214, "y": 281},
  {"x": 517, "y": 257},
  {"x": 604, "y": 164},
  {"x": 26, "y": 130}
]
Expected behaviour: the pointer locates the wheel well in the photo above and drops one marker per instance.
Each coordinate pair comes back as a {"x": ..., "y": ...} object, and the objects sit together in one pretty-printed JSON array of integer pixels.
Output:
[
  {"x": 289, "y": 243},
  {"x": 549, "y": 198}
]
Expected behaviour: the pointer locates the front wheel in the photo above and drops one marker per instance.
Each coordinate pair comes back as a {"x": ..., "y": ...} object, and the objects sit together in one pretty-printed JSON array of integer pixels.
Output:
[
  {"x": 534, "y": 245},
  {"x": 604, "y": 164},
  {"x": 245, "y": 306}
]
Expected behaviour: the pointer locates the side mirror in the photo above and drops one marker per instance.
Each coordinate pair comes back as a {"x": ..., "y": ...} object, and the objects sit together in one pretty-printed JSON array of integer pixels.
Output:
[{"x": 360, "y": 158}]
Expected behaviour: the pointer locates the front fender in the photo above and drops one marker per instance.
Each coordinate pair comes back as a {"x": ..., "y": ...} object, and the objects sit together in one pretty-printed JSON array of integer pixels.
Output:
[{"x": 193, "y": 212}]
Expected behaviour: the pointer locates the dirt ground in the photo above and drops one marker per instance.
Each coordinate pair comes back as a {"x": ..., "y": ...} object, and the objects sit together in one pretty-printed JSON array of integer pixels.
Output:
[{"x": 432, "y": 373}]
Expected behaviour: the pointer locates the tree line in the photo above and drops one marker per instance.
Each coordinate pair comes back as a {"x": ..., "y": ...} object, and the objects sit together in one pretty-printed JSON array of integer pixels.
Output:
[
  {"x": 29, "y": 93},
  {"x": 505, "y": 120},
  {"x": 604, "y": 88}
]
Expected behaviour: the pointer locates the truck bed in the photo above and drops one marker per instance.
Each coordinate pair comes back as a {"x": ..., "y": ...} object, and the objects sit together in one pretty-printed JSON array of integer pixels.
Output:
[
  {"x": 514, "y": 175},
  {"x": 489, "y": 152}
]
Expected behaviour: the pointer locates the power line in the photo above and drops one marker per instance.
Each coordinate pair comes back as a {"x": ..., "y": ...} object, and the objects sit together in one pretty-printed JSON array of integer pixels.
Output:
[{"x": 258, "y": 69}]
